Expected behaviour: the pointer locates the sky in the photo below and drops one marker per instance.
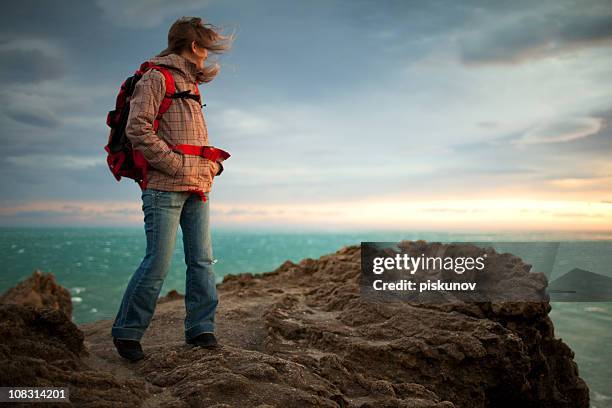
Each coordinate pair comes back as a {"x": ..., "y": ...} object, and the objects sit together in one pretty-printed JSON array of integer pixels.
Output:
[{"x": 441, "y": 115}]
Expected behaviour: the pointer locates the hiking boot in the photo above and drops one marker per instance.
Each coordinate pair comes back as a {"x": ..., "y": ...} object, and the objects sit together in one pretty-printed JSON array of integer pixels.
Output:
[
  {"x": 129, "y": 349},
  {"x": 206, "y": 340}
]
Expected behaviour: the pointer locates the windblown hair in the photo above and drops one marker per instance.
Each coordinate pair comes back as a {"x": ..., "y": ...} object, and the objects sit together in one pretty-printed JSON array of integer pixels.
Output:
[{"x": 185, "y": 30}]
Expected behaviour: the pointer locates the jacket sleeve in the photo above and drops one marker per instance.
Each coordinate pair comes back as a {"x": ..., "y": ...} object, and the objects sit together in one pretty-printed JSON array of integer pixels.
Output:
[{"x": 144, "y": 104}]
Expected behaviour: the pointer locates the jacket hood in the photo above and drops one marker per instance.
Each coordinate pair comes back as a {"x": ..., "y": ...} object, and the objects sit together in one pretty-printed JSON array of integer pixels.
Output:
[{"x": 189, "y": 70}]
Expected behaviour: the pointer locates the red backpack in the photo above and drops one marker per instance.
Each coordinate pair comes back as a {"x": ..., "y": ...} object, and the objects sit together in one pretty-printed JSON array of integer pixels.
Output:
[{"x": 122, "y": 159}]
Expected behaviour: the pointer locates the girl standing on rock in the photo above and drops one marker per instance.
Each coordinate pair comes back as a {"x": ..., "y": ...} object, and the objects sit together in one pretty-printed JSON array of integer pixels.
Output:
[{"x": 177, "y": 189}]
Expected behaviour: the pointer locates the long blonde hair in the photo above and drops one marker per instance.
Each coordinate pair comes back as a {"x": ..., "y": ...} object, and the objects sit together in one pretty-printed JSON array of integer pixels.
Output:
[{"x": 185, "y": 30}]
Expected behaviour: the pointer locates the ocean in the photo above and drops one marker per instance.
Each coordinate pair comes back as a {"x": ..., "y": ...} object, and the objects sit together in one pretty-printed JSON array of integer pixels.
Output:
[{"x": 95, "y": 264}]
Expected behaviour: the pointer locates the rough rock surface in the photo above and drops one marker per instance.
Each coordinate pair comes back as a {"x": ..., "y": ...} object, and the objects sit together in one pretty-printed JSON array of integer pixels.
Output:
[
  {"x": 301, "y": 336},
  {"x": 41, "y": 291},
  {"x": 41, "y": 347}
]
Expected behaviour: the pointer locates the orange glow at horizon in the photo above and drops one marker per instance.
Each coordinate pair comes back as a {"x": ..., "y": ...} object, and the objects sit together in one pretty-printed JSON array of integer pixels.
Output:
[{"x": 476, "y": 214}]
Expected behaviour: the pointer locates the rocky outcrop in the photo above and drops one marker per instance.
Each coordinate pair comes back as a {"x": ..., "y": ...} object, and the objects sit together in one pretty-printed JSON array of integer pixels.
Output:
[
  {"x": 472, "y": 354},
  {"x": 40, "y": 291},
  {"x": 170, "y": 296},
  {"x": 41, "y": 348},
  {"x": 302, "y": 336}
]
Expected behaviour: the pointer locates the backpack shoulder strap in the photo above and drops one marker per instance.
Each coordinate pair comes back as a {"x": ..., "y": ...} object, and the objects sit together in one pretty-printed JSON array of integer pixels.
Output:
[{"x": 170, "y": 89}]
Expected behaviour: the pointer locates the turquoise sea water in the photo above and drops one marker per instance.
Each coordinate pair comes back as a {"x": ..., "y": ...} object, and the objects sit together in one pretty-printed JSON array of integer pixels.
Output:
[{"x": 96, "y": 264}]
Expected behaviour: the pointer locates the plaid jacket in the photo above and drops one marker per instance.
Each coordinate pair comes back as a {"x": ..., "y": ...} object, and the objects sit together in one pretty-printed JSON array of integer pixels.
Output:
[{"x": 183, "y": 123}]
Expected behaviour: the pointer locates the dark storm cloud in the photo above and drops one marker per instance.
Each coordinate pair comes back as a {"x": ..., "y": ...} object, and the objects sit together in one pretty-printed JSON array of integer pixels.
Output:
[
  {"x": 143, "y": 14},
  {"x": 51, "y": 19},
  {"x": 29, "y": 66},
  {"x": 518, "y": 39},
  {"x": 32, "y": 117}
]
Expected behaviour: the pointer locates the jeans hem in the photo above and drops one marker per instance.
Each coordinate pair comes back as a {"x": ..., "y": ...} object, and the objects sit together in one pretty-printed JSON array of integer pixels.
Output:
[
  {"x": 126, "y": 334},
  {"x": 198, "y": 329}
]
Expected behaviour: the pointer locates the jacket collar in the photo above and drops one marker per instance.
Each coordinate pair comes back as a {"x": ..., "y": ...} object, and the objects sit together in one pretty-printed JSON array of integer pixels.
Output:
[{"x": 189, "y": 70}]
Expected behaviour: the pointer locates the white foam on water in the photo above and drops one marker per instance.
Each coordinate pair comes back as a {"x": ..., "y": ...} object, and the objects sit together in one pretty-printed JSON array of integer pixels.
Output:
[
  {"x": 77, "y": 299},
  {"x": 597, "y": 396},
  {"x": 596, "y": 309}
]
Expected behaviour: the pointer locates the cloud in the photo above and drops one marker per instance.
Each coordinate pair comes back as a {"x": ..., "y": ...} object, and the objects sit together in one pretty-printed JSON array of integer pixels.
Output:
[
  {"x": 243, "y": 123},
  {"x": 313, "y": 117},
  {"x": 60, "y": 212},
  {"x": 51, "y": 105},
  {"x": 39, "y": 116},
  {"x": 146, "y": 13},
  {"x": 48, "y": 162},
  {"x": 31, "y": 66},
  {"x": 487, "y": 124},
  {"x": 562, "y": 130},
  {"x": 584, "y": 183},
  {"x": 523, "y": 37},
  {"x": 30, "y": 61}
]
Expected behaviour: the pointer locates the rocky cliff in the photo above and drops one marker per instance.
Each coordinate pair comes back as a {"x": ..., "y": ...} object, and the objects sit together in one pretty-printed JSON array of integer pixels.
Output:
[{"x": 302, "y": 336}]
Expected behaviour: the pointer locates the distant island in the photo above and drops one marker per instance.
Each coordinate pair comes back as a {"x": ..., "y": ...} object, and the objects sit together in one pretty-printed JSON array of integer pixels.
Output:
[{"x": 579, "y": 285}]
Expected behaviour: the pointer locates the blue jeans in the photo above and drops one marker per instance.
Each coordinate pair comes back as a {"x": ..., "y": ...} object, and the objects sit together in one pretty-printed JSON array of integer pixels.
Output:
[{"x": 163, "y": 211}]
